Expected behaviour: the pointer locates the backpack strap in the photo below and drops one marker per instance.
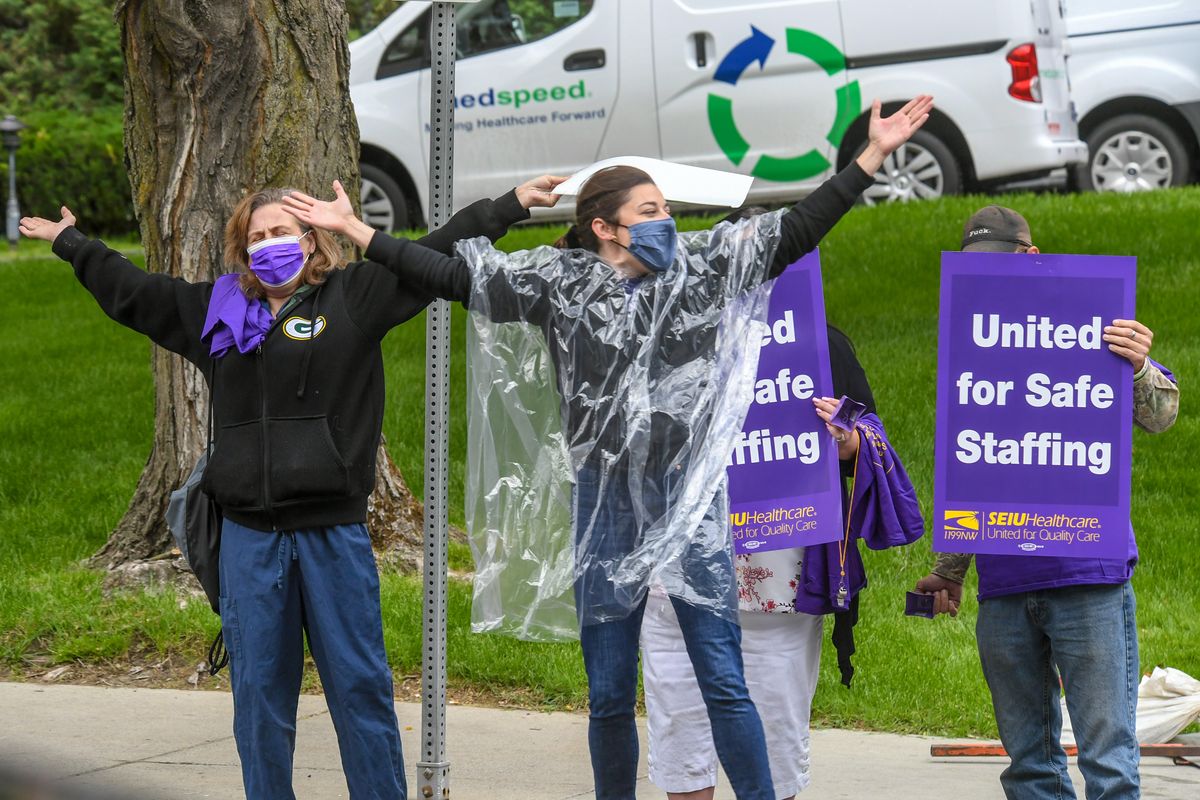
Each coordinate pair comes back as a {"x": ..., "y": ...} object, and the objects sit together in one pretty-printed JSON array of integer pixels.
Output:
[{"x": 218, "y": 656}]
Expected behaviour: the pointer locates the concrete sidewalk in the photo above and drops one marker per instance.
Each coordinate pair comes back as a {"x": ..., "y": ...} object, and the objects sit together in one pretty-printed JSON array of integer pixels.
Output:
[{"x": 168, "y": 745}]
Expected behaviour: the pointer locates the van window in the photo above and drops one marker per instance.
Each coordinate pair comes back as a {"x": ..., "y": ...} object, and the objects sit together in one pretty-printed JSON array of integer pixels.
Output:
[
  {"x": 483, "y": 28},
  {"x": 408, "y": 51},
  {"x": 497, "y": 24}
]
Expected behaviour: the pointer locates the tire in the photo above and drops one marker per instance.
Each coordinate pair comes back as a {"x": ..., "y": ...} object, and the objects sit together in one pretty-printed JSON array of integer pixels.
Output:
[
  {"x": 384, "y": 204},
  {"x": 1133, "y": 153},
  {"x": 923, "y": 168}
]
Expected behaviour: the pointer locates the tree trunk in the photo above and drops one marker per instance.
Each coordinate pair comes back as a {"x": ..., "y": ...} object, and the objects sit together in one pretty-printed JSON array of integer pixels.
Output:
[{"x": 223, "y": 98}]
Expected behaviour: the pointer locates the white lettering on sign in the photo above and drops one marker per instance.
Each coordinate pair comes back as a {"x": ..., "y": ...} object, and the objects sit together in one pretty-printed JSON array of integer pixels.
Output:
[{"x": 1035, "y": 332}]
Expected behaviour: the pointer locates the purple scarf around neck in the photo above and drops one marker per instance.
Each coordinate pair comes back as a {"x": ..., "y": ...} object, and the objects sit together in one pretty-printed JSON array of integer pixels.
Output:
[{"x": 234, "y": 319}]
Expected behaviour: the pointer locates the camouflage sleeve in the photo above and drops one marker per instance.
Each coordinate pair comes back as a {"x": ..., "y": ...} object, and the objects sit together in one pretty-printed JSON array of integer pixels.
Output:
[
  {"x": 952, "y": 566},
  {"x": 1155, "y": 399}
]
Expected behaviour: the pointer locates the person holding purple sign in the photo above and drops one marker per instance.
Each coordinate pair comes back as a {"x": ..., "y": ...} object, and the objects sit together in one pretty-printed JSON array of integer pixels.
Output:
[{"x": 1049, "y": 621}]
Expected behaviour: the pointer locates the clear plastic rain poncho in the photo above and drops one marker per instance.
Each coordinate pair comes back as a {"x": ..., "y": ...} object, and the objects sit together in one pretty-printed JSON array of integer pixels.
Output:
[{"x": 601, "y": 414}]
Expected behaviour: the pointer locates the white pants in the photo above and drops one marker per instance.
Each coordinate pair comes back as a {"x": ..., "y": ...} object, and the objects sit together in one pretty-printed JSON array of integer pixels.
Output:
[{"x": 782, "y": 656}]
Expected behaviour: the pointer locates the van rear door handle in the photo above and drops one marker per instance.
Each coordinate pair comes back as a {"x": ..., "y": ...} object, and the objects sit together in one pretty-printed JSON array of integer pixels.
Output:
[{"x": 584, "y": 59}]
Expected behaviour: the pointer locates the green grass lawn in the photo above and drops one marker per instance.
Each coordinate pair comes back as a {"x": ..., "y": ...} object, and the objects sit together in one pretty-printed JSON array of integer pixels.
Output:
[{"x": 76, "y": 416}]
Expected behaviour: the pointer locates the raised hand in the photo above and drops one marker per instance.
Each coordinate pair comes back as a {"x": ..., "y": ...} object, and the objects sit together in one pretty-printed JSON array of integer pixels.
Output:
[
  {"x": 889, "y": 133},
  {"x": 884, "y": 135},
  {"x": 332, "y": 215},
  {"x": 40, "y": 228},
  {"x": 536, "y": 193}
]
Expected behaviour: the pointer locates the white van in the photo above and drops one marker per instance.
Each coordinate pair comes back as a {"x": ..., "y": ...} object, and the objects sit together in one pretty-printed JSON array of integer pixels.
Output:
[
  {"x": 778, "y": 89},
  {"x": 1135, "y": 78}
]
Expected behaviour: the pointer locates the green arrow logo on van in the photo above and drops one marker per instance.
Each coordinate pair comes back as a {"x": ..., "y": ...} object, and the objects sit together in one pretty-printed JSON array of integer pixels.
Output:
[{"x": 757, "y": 47}]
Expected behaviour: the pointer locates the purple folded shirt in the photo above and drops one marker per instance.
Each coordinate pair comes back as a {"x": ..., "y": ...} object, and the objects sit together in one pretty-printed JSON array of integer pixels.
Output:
[
  {"x": 886, "y": 514},
  {"x": 233, "y": 319}
]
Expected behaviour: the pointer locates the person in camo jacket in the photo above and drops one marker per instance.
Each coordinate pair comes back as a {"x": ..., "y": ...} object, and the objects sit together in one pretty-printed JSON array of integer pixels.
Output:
[{"x": 1046, "y": 617}]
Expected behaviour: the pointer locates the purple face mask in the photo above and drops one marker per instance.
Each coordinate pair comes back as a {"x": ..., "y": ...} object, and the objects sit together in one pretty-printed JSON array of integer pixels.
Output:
[{"x": 277, "y": 261}]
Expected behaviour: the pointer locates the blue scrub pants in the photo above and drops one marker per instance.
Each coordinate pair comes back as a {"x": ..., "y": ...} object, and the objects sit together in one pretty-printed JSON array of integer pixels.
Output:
[{"x": 275, "y": 587}]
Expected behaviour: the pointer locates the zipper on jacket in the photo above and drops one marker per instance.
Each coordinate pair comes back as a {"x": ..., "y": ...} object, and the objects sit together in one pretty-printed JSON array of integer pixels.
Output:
[
  {"x": 262, "y": 388},
  {"x": 266, "y": 465}
]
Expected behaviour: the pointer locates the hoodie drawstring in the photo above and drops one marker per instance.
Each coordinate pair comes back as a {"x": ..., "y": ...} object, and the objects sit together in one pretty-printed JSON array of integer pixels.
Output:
[{"x": 312, "y": 332}]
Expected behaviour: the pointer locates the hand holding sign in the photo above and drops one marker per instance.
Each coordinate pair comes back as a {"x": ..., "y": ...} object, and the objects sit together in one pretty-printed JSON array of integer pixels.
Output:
[
  {"x": 847, "y": 441},
  {"x": 1129, "y": 339}
]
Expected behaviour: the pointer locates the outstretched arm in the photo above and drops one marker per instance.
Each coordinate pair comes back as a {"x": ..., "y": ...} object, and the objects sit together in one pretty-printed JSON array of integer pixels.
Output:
[
  {"x": 506, "y": 296},
  {"x": 423, "y": 269},
  {"x": 808, "y": 221},
  {"x": 490, "y": 218},
  {"x": 170, "y": 311},
  {"x": 419, "y": 271}
]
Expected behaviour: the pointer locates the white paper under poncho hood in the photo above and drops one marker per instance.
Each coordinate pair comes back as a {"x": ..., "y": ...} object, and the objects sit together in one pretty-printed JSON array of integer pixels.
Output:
[
  {"x": 679, "y": 183},
  {"x": 582, "y": 384}
]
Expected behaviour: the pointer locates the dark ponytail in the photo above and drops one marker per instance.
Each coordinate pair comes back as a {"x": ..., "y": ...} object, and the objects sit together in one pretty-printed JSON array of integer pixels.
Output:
[{"x": 601, "y": 197}]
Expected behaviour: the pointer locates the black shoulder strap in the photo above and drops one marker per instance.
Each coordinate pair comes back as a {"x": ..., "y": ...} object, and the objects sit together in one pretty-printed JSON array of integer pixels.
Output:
[{"x": 212, "y": 394}]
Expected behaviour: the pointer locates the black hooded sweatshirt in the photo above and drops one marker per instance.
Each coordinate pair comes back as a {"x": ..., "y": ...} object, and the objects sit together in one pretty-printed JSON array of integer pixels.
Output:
[{"x": 297, "y": 422}]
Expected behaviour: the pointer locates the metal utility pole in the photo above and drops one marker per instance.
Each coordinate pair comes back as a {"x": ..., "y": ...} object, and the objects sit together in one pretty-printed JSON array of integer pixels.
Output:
[
  {"x": 433, "y": 770},
  {"x": 10, "y": 133}
]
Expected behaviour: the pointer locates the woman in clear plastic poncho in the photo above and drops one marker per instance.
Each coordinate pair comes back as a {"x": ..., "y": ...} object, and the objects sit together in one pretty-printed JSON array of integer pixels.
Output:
[{"x": 652, "y": 389}]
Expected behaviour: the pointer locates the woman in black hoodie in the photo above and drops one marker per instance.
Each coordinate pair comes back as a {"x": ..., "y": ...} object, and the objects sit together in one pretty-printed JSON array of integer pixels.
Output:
[{"x": 290, "y": 345}]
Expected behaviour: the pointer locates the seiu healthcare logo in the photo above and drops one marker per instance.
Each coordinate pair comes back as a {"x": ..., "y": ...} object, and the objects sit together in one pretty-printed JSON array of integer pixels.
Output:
[
  {"x": 492, "y": 98},
  {"x": 961, "y": 525}
]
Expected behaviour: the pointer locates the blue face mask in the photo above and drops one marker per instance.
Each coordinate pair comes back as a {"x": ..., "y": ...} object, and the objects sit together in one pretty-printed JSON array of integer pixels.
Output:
[{"x": 653, "y": 242}]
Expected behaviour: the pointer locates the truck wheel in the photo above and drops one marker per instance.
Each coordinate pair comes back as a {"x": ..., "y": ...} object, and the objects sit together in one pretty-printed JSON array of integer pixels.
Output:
[
  {"x": 923, "y": 168},
  {"x": 1133, "y": 153},
  {"x": 384, "y": 206}
]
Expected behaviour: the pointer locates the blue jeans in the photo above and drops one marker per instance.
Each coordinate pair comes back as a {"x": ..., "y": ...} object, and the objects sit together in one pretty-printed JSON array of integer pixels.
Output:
[
  {"x": 610, "y": 656},
  {"x": 610, "y": 649},
  {"x": 1088, "y": 635},
  {"x": 275, "y": 587}
]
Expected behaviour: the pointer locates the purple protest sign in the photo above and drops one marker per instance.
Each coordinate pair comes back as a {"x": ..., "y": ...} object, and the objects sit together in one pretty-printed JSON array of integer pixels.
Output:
[
  {"x": 1034, "y": 414},
  {"x": 783, "y": 471}
]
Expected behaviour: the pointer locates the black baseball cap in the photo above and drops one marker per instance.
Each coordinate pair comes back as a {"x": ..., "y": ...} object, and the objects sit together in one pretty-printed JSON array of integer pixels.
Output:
[{"x": 995, "y": 229}]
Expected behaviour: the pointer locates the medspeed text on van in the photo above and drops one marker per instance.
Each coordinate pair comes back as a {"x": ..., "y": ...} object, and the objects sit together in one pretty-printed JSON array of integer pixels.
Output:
[{"x": 780, "y": 91}]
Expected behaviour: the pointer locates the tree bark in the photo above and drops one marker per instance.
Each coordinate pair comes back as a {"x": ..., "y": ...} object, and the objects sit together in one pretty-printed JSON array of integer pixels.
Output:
[{"x": 223, "y": 98}]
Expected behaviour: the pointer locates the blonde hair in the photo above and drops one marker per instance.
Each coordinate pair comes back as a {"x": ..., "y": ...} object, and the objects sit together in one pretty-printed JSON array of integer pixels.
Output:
[{"x": 326, "y": 256}]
